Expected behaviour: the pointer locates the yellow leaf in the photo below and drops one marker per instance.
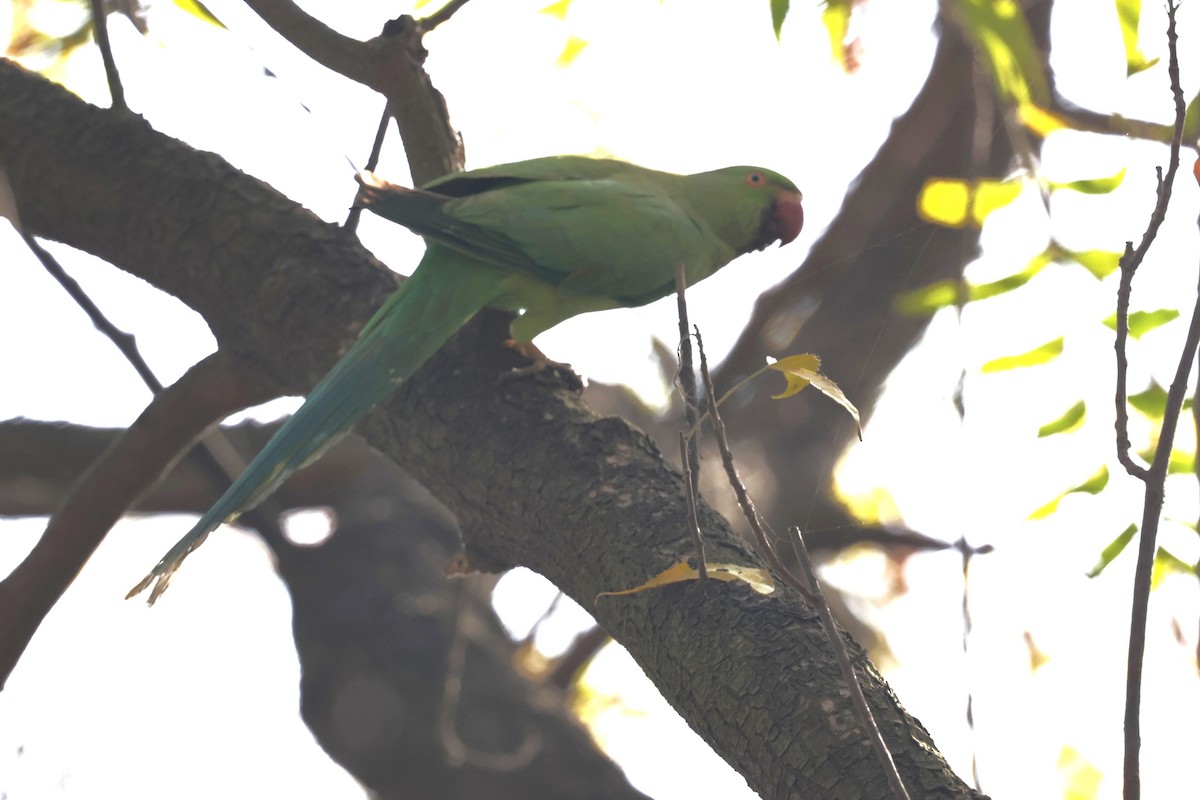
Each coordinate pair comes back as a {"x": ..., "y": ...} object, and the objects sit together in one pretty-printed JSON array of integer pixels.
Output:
[
  {"x": 944, "y": 202},
  {"x": 558, "y": 9},
  {"x": 1039, "y": 121},
  {"x": 757, "y": 579},
  {"x": 800, "y": 371},
  {"x": 955, "y": 203},
  {"x": 570, "y": 51},
  {"x": 792, "y": 367},
  {"x": 1081, "y": 780}
]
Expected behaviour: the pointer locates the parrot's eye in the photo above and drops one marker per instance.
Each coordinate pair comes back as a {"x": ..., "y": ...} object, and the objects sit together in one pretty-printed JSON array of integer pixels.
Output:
[{"x": 756, "y": 179}]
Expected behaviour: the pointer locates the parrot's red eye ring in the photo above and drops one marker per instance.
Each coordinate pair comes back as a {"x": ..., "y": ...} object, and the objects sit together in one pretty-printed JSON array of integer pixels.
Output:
[{"x": 756, "y": 179}]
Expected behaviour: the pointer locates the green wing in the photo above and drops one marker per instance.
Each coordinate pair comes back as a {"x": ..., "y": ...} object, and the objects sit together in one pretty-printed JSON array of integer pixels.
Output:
[{"x": 617, "y": 239}]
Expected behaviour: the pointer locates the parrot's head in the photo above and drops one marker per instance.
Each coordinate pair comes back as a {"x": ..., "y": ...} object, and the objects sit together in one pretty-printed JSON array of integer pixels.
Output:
[
  {"x": 748, "y": 207},
  {"x": 785, "y": 217}
]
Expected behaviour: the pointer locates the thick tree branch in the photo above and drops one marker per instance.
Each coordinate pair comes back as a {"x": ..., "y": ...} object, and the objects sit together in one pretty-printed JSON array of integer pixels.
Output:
[{"x": 533, "y": 476}]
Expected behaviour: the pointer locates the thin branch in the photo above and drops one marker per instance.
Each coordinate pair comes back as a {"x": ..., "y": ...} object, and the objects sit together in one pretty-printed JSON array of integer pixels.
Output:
[
  {"x": 1124, "y": 290},
  {"x": 1155, "y": 478},
  {"x": 207, "y": 393},
  {"x": 356, "y": 210},
  {"x": 100, "y": 31},
  {"x": 689, "y": 477},
  {"x": 689, "y": 443},
  {"x": 967, "y": 552},
  {"x": 843, "y": 659},
  {"x": 124, "y": 342},
  {"x": 442, "y": 15}
]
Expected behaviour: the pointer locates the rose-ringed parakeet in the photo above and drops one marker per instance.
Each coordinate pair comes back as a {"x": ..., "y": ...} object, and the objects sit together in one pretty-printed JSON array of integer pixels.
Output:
[{"x": 547, "y": 239}]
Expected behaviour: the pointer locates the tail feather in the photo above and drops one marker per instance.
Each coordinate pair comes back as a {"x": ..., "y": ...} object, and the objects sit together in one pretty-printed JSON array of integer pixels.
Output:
[{"x": 440, "y": 297}]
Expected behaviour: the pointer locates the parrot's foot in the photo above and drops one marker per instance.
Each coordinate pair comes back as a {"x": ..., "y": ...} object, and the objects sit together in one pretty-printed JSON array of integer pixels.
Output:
[{"x": 539, "y": 362}]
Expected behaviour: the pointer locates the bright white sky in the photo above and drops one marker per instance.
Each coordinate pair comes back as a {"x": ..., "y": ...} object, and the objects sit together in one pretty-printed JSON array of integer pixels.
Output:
[{"x": 112, "y": 698}]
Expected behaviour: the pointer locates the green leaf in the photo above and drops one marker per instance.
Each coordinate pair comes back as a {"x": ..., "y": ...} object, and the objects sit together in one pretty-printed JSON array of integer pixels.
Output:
[
  {"x": 1041, "y": 354},
  {"x": 1001, "y": 34},
  {"x": 1191, "y": 122},
  {"x": 1093, "y": 485},
  {"x": 200, "y": 11},
  {"x": 1092, "y": 185},
  {"x": 1129, "y": 14},
  {"x": 779, "y": 10},
  {"x": 1180, "y": 463},
  {"x": 943, "y": 294},
  {"x": 1101, "y": 263},
  {"x": 1071, "y": 419},
  {"x": 1167, "y": 563},
  {"x": 928, "y": 299},
  {"x": 1114, "y": 548},
  {"x": 836, "y": 18},
  {"x": 983, "y": 291},
  {"x": 1141, "y": 322},
  {"x": 1152, "y": 401}
]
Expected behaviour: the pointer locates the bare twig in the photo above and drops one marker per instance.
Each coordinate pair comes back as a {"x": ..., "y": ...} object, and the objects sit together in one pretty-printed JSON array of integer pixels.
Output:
[
  {"x": 208, "y": 392},
  {"x": 1155, "y": 477},
  {"x": 124, "y": 342},
  {"x": 100, "y": 31},
  {"x": 689, "y": 478},
  {"x": 843, "y": 658},
  {"x": 356, "y": 210},
  {"x": 441, "y": 15},
  {"x": 689, "y": 443},
  {"x": 967, "y": 552}
]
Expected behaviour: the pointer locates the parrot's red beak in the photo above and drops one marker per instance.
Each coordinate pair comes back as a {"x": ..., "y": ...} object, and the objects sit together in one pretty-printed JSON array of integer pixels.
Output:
[{"x": 789, "y": 215}]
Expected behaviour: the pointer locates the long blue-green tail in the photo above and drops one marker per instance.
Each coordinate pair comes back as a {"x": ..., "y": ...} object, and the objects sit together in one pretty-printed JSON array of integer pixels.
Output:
[{"x": 441, "y": 296}]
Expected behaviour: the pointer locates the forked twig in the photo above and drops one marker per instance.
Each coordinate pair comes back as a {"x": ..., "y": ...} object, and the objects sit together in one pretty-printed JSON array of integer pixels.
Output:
[{"x": 1154, "y": 478}]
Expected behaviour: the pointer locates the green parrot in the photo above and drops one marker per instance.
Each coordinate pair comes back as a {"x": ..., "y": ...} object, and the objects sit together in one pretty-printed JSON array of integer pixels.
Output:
[{"x": 546, "y": 239}]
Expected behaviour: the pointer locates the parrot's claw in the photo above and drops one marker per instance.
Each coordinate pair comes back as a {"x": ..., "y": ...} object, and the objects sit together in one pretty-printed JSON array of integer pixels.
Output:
[{"x": 539, "y": 362}]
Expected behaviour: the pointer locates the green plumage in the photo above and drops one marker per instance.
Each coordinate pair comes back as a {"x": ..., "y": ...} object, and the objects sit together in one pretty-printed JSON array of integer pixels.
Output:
[{"x": 549, "y": 239}]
